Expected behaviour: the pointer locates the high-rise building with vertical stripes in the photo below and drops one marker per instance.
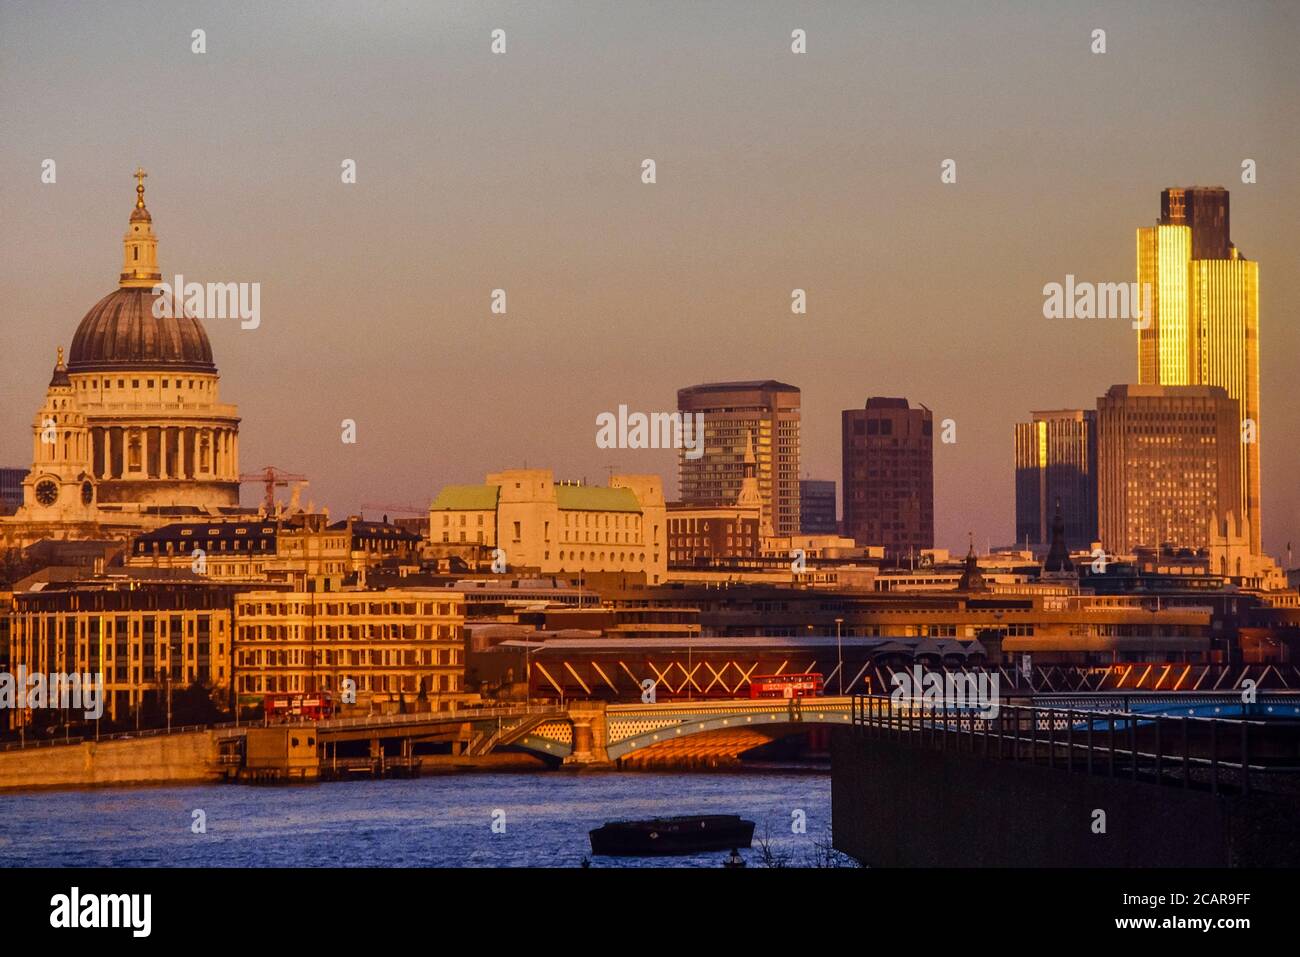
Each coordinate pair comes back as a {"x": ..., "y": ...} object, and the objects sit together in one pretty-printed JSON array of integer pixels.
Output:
[{"x": 1204, "y": 322}]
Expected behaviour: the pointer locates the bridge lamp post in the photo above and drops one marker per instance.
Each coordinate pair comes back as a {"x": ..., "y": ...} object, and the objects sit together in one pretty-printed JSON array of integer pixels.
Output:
[{"x": 839, "y": 654}]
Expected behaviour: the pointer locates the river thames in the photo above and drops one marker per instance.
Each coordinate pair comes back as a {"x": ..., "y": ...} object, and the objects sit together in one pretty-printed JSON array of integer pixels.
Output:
[{"x": 541, "y": 820}]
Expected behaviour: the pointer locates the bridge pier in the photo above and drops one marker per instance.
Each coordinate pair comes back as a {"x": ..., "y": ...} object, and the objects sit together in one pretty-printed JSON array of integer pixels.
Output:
[{"x": 590, "y": 735}]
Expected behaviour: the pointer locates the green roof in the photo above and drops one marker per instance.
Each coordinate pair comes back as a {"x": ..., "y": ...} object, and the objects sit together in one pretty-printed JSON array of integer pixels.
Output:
[
  {"x": 586, "y": 498},
  {"x": 476, "y": 498},
  {"x": 596, "y": 498}
]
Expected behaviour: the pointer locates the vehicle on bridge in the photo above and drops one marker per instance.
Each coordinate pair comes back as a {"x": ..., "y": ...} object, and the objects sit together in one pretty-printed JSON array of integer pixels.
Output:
[
  {"x": 786, "y": 686},
  {"x": 316, "y": 706}
]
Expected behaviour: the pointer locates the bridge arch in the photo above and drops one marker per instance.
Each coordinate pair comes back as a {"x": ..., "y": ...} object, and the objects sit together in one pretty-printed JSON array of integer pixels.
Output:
[{"x": 634, "y": 728}]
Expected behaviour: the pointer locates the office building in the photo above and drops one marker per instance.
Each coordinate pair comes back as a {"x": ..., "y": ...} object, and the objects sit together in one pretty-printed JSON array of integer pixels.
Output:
[
  {"x": 888, "y": 461},
  {"x": 1204, "y": 327},
  {"x": 401, "y": 648},
  {"x": 817, "y": 507},
  {"x": 144, "y": 638},
  {"x": 736, "y": 413},
  {"x": 1056, "y": 465},
  {"x": 524, "y": 519},
  {"x": 1167, "y": 465}
]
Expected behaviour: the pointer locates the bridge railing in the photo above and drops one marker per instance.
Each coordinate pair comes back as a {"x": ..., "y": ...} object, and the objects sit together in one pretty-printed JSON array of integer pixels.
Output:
[
  {"x": 466, "y": 714},
  {"x": 1191, "y": 752},
  {"x": 367, "y": 721}
]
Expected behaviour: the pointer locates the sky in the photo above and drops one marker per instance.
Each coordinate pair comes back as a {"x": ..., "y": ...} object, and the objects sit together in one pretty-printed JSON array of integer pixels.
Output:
[{"x": 522, "y": 171}]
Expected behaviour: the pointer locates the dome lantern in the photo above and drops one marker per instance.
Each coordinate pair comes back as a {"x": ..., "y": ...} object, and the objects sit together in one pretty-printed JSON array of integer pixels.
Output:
[{"x": 140, "y": 245}]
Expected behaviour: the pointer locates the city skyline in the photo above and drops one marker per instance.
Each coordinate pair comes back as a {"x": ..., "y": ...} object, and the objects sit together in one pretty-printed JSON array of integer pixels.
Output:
[
  {"x": 411, "y": 306},
  {"x": 549, "y": 435}
]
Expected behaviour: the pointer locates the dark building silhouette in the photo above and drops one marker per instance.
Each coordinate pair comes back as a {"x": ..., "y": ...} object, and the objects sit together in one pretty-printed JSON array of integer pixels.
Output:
[
  {"x": 1056, "y": 462},
  {"x": 1205, "y": 210},
  {"x": 1058, "y": 557},
  {"x": 817, "y": 507},
  {"x": 888, "y": 460}
]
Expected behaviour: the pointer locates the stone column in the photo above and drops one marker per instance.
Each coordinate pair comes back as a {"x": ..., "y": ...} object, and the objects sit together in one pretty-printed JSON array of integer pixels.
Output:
[{"x": 589, "y": 733}]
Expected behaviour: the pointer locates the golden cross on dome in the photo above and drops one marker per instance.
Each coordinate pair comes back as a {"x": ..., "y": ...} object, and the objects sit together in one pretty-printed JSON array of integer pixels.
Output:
[{"x": 139, "y": 175}]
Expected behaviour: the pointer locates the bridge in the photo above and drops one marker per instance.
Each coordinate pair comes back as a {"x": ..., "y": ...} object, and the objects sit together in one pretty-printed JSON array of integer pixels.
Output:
[
  {"x": 575, "y": 733},
  {"x": 686, "y": 731},
  {"x": 597, "y": 733}
]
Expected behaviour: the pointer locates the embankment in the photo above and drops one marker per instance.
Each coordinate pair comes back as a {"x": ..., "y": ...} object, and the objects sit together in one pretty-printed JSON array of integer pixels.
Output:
[{"x": 164, "y": 759}]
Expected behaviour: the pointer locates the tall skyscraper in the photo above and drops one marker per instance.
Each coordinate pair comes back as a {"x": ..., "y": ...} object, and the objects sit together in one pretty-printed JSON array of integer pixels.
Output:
[
  {"x": 1056, "y": 463},
  {"x": 1167, "y": 465},
  {"x": 888, "y": 461},
  {"x": 817, "y": 507},
  {"x": 1204, "y": 327},
  {"x": 765, "y": 412}
]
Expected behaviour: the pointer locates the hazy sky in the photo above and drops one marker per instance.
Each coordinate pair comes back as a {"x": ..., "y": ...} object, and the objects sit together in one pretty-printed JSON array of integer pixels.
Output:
[{"x": 522, "y": 171}]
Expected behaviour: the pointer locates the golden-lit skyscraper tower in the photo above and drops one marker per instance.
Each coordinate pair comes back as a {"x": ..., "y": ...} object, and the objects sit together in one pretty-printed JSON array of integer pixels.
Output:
[{"x": 1204, "y": 322}]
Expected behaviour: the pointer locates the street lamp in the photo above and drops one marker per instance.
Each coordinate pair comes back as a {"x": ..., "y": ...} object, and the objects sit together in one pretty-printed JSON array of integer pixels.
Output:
[{"x": 839, "y": 653}]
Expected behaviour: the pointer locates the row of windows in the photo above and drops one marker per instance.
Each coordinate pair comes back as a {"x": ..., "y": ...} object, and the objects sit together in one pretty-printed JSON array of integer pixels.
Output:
[
  {"x": 325, "y": 658},
  {"x": 135, "y": 383},
  {"x": 366, "y": 632},
  {"x": 389, "y": 684},
  {"x": 351, "y": 609}
]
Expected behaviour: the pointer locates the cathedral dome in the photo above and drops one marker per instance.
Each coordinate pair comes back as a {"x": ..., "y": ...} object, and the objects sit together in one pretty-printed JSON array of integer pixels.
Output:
[{"x": 120, "y": 332}]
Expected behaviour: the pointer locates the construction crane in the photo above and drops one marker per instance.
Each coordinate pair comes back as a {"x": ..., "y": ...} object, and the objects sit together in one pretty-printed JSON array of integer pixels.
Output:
[
  {"x": 394, "y": 509},
  {"x": 272, "y": 478}
]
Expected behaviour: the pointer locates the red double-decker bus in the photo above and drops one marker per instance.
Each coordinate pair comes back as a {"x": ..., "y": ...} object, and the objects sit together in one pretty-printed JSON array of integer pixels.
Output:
[
  {"x": 785, "y": 686},
  {"x": 298, "y": 707}
]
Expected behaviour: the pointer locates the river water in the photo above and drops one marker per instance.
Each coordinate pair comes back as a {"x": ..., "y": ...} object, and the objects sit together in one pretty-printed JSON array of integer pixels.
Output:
[{"x": 541, "y": 819}]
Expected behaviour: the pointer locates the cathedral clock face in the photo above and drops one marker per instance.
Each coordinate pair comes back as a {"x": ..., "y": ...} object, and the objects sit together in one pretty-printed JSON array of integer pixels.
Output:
[
  {"x": 47, "y": 493},
  {"x": 87, "y": 493}
]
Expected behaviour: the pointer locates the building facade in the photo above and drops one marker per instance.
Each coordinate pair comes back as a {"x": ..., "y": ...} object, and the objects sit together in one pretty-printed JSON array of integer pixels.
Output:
[
  {"x": 888, "y": 461},
  {"x": 765, "y": 413},
  {"x": 698, "y": 535},
  {"x": 817, "y": 507},
  {"x": 272, "y": 549},
  {"x": 523, "y": 518},
  {"x": 1167, "y": 465},
  {"x": 1056, "y": 465},
  {"x": 143, "y": 638},
  {"x": 400, "y": 648},
  {"x": 1204, "y": 323}
]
